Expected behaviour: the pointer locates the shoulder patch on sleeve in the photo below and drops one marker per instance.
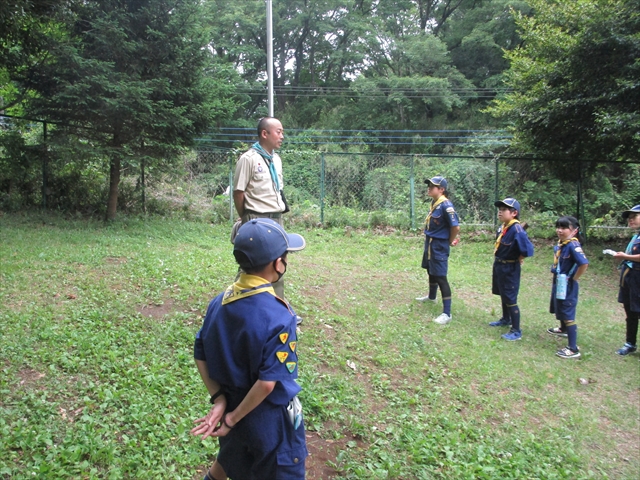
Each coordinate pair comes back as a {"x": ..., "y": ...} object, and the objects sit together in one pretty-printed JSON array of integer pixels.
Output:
[
  {"x": 451, "y": 210},
  {"x": 579, "y": 249}
]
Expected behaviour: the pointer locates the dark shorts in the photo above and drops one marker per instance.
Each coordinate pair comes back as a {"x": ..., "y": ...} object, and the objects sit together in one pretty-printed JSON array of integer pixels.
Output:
[
  {"x": 629, "y": 294},
  {"x": 264, "y": 445},
  {"x": 506, "y": 281},
  {"x": 565, "y": 309},
  {"x": 436, "y": 256}
]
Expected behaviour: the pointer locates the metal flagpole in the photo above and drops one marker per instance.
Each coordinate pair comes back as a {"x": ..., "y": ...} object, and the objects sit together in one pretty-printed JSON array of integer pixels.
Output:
[{"x": 270, "y": 57}]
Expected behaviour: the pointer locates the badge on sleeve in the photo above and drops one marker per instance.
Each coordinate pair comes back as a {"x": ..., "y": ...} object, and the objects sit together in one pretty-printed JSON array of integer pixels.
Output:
[
  {"x": 451, "y": 210},
  {"x": 293, "y": 345},
  {"x": 291, "y": 366},
  {"x": 284, "y": 337},
  {"x": 282, "y": 356}
]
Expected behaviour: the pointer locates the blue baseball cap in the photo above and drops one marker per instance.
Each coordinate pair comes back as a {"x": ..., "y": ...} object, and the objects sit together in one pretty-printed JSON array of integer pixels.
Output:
[
  {"x": 626, "y": 213},
  {"x": 508, "y": 202},
  {"x": 438, "y": 181},
  {"x": 262, "y": 241}
]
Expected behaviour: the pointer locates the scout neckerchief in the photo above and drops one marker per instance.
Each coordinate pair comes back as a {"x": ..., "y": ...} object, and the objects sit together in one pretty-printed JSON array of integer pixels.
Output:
[
  {"x": 246, "y": 286},
  {"x": 269, "y": 159},
  {"x": 628, "y": 250},
  {"x": 434, "y": 204},
  {"x": 556, "y": 255},
  {"x": 505, "y": 227}
]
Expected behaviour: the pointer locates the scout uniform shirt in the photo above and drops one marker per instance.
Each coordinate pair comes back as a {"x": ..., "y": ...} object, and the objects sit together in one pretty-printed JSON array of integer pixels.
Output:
[
  {"x": 249, "y": 334},
  {"x": 252, "y": 176}
]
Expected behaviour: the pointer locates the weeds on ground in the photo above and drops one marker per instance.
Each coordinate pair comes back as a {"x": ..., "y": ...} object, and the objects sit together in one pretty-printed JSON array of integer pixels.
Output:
[{"x": 97, "y": 324}]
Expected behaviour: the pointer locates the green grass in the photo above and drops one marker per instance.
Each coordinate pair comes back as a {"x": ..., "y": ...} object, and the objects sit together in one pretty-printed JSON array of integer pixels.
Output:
[{"x": 98, "y": 381}]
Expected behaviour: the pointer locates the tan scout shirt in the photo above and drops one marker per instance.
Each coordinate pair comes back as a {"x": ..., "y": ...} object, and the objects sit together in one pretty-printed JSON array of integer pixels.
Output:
[{"x": 253, "y": 178}]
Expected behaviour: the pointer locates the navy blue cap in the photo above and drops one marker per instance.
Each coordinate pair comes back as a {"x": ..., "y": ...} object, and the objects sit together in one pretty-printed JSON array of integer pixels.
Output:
[
  {"x": 262, "y": 241},
  {"x": 508, "y": 202},
  {"x": 438, "y": 181},
  {"x": 626, "y": 213}
]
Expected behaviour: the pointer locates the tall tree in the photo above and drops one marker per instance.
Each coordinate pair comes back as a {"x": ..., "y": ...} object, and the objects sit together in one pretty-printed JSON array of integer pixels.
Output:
[
  {"x": 130, "y": 75},
  {"x": 576, "y": 83}
]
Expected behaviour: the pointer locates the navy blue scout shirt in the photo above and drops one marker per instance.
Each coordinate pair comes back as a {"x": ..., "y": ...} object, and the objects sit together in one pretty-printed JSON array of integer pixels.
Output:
[
  {"x": 444, "y": 217},
  {"x": 249, "y": 334},
  {"x": 514, "y": 243},
  {"x": 633, "y": 249},
  {"x": 570, "y": 254}
]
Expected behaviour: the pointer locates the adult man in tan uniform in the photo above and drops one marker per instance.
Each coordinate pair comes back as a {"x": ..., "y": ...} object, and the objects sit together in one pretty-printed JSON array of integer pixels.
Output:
[{"x": 258, "y": 180}]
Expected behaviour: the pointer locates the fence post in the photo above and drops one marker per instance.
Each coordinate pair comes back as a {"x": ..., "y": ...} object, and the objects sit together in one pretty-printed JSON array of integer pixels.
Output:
[
  {"x": 580, "y": 206},
  {"x": 231, "y": 205},
  {"x": 322, "y": 165},
  {"x": 412, "y": 196},
  {"x": 44, "y": 165},
  {"x": 142, "y": 182},
  {"x": 496, "y": 193}
]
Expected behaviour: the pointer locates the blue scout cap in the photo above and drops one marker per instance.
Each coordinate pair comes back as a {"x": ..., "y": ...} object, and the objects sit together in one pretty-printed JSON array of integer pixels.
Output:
[
  {"x": 626, "y": 213},
  {"x": 438, "y": 181},
  {"x": 262, "y": 240},
  {"x": 508, "y": 202}
]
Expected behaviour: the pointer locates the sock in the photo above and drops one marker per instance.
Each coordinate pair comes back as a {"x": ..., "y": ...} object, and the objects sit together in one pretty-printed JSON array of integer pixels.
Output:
[
  {"x": 433, "y": 290},
  {"x": 505, "y": 312},
  {"x": 514, "y": 313},
  {"x": 572, "y": 333},
  {"x": 447, "y": 306}
]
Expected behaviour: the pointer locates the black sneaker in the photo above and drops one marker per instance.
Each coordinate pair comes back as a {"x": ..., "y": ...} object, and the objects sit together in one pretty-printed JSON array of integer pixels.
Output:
[
  {"x": 558, "y": 332},
  {"x": 627, "y": 349}
]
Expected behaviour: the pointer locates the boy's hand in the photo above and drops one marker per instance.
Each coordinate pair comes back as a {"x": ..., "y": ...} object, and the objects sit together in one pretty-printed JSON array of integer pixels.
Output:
[{"x": 210, "y": 424}]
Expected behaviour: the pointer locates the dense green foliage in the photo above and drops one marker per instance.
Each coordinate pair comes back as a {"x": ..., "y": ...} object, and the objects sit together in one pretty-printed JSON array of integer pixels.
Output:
[
  {"x": 126, "y": 88},
  {"x": 576, "y": 83}
]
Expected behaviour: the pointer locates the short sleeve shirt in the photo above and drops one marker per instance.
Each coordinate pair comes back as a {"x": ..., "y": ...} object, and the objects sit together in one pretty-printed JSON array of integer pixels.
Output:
[
  {"x": 442, "y": 219},
  {"x": 251, "y": 339},
  {"x": 252, "y": 176},
  {"x": 634, "y": 249},
  {"x": 514, "y": 244},
  {"x": 570, "y": 255}
]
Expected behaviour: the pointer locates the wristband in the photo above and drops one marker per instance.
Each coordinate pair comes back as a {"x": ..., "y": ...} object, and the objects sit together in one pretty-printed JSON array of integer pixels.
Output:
[
  {"x": 224, "y": 422},
  {"x": 216, "y": 395}
]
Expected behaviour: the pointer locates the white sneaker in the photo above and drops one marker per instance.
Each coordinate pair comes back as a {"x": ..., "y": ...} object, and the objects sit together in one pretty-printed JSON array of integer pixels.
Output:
[
  {"x": 442, "y": 319},
  {"x": 426, "y": 299}
]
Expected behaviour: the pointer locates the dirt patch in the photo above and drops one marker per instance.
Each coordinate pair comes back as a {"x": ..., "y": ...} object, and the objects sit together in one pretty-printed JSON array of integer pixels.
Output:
[
  {"x": 159, "y": 310},
  {"x": 115, "y": 260},
  {"x": 322, "y": 451},
  {"x": 29, "y": 376}
]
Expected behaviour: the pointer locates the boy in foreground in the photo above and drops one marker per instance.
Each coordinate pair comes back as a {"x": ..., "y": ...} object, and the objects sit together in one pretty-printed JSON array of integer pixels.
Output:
[{"x": 246, "y": 354}]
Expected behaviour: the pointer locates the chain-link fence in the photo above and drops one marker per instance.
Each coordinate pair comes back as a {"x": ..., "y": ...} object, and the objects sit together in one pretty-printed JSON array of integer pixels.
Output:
[
  {"x": 392, "y": 189},
  {"x": 330, "y": 188}
]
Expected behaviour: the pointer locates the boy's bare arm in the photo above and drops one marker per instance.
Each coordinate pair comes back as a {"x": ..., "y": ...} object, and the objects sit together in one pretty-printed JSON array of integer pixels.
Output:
[
  {"x": 260, "y": 390},
  {"x": 211, "y": 384},
  {"x": 207, "y": 425}
]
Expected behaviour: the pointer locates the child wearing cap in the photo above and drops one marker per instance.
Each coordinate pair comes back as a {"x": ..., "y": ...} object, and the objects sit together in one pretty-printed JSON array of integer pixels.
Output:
[
  {"x": 246, "y": 353},
  {"x": 569, "y": 264},
  {"x": 629, "y": 293},
  {"x": 441, "y": 231},
  {"x": 512, "y": 245}
]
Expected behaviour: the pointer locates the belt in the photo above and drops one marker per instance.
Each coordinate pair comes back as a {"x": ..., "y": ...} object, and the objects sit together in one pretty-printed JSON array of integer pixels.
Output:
[
  {"x": 264, "y": 215},
  {"x": 500, "y": 260}
]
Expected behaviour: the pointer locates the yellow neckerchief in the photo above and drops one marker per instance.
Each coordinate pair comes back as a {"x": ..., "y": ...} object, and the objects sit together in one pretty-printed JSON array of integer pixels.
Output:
[
  {"x": 246, "y": 286},
  {"x": 556, "y": 255},
  {"x": 505, "y": 227},
  {"x": 434, "y": 204}
]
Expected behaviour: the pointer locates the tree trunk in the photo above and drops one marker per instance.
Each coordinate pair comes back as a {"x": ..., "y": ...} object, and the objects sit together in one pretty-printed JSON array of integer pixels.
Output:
[{"x": 114, "y": 181}]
